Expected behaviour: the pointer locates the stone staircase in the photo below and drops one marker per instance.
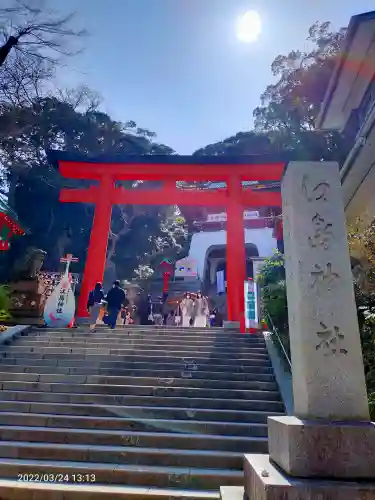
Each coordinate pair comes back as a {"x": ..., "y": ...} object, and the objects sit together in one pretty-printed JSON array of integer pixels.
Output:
[{"x": 135, "y": 413}]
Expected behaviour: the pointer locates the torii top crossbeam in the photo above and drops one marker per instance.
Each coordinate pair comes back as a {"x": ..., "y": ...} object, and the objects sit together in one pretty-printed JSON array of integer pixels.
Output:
[{"x": 171, "y": 169}]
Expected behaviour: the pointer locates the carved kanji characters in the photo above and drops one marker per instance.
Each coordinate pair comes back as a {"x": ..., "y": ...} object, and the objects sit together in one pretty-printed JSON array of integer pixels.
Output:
[
  {"x": 323, "y": 234},
  {"x": 319, "y": 192},
  {"x": 330, "y": 340},
  {"x": 323, "y": 276}
]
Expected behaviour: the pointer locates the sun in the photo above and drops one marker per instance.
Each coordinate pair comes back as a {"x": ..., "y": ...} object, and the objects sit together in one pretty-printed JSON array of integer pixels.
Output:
[{"x": 249, "y": 27}]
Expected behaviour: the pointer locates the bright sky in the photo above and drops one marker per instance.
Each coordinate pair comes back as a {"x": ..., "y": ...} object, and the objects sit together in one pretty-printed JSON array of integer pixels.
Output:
[{"x": 177, "y": 68}]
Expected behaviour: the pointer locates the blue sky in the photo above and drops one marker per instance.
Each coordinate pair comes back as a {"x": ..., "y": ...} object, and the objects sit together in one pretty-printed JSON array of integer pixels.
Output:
[{"x": 176, "y": 66}]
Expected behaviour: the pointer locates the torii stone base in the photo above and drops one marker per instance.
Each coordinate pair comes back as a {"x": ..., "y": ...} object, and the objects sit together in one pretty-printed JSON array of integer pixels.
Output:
[{"x": 265, "y": 481}]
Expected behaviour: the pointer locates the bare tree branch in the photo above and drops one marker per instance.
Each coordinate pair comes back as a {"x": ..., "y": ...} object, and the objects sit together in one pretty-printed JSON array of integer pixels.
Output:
[
  {"x": 33, "y": 29},
  {"x": 22, "y": 80},
  {"x": 115, "y": 237},
  {"x": 80, "y": 98}
]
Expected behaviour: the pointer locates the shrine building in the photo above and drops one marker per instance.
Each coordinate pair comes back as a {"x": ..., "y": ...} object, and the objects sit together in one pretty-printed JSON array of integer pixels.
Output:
[{"x": 206, "y": 261}]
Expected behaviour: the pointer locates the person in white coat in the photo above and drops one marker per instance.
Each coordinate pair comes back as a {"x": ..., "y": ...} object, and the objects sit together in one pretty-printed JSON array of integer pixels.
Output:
[
  {"x": 187, "y": 309},
  {"x": 201, "y": 311}
]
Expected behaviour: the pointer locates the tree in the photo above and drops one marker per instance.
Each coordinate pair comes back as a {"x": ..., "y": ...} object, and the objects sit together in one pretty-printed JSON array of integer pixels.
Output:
[
  {"x": 35, "y": 40},
  {"x": 73, "y": 122},
  {"x": 361, "y": 238},
  {"x": 35, "y": 31},
  {"x": 23, "y": 79},
  {"x": 285, "y": 121},
  {"x": 150, "y": 233},
  {"x": 291, "y": 105},
  {"x": 366, "y": 320},
  {"x": 303, "y": 78},
  {"x": 242, "y": 143}
]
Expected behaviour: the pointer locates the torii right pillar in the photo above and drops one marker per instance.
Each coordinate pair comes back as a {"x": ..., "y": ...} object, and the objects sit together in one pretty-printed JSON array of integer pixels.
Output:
[
  {"x": 326, "y": 451},
  {"x": 236, "y": 254}
]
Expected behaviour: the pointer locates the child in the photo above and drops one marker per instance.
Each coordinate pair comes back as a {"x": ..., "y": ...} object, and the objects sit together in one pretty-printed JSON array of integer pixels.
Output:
[{"x": 126, "y": 316}]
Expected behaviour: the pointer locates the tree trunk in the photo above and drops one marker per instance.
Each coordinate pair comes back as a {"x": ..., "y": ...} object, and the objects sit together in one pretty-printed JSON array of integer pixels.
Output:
[{"x": 6, "y": 48}]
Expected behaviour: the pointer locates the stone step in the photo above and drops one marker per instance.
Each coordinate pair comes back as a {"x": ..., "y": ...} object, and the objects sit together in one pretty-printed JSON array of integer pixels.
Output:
[
  {"x": 230, "y": 339},
  {"x": 39, "y": 369},
  {"x": 232, "y": 493},
  {"x": 118, "y": 344},
  {"x": 169, "y": 411},
  {"x": 152, "y": 476},
  {"x": 106, "y": 399},
  {"x": 153, "y": 329},
  {"x": 138, "y": 390},
  {"x": 200, "y": 336},
  {"x": 126, "y": 422},
  {"x": 174, "y": 328},
  {"x": 23, "y": 490},
  {"x": 130, "y": 359},
  {"x": 134, "y": 455},
  {"x": 124, "y": 437},
  {"x": 142, "y": 381},
  {"x": 255, "y": 366},
  {"x": 159, "y": 328},
  {"x": 130, "y": 351},
  {"x": 135, "y": 412},
  {"x": 121, "y": 332},
  {"x": 136, "y": 339}
]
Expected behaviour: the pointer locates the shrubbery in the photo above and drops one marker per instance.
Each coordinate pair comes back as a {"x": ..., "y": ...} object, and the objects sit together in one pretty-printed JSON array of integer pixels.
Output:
[
  {"x": 274, "y": 302},
  {"x": 4, "y": 303}
]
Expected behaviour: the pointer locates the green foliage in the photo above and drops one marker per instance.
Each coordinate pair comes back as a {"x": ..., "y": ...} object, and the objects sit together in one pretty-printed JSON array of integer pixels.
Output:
[
  {"x": 285, "y": 121},
  {"x": 272, "y": 270},
  {"x": 72, "y": 122},
  {"x": 361, "y": 238},
  {"x": 4, "y": 303},
  {"x": 271, "y": 279},
  {"x": 366, "y": 319},
  {"x": 144, "y": 272},
  {"x": 290, "y": 105}
]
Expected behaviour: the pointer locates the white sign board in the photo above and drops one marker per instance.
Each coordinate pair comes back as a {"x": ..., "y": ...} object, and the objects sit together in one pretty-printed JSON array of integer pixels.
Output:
[
  {"x": 220, "y": 282},
  {"x": 186, "y": 268},
  {"x": 222, "y": 217}
]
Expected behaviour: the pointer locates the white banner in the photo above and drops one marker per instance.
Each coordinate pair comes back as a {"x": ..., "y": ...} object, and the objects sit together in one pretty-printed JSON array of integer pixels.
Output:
[
  {"x": 223, "y": 216},
  {"x": 60, "y": 306},
  {"x": 251, "y": 305},
  {"x": 220, "y": 282}
]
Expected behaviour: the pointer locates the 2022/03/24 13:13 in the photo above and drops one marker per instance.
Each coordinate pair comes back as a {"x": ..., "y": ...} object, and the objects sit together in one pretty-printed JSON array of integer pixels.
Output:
[{"x": 40, "y": 477}]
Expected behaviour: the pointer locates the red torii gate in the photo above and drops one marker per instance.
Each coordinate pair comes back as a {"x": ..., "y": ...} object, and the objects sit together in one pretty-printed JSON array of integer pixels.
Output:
[{"x": 170, "y": 169}]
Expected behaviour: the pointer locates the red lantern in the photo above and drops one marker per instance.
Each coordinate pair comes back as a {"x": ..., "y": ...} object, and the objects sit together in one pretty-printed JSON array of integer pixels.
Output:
[
  {"x": 167, "y": 267},
  {"x": 4, "y": 246},
  {"x": 166, "y": 277}
]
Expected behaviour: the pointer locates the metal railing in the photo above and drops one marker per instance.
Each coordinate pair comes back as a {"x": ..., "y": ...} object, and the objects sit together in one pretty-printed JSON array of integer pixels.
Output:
[{"x": 275, "y": 332}]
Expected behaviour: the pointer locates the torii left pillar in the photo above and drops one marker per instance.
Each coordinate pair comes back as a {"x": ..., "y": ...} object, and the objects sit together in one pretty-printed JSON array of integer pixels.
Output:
[{"x": 97, "y": 251}]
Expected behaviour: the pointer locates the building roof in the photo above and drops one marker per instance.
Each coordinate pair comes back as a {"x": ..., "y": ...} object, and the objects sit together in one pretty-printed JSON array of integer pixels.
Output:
[
  {"x": 6, "y": 209},
  {"x": 56, "y": 155},
  {"x": 354, "y": 23}
]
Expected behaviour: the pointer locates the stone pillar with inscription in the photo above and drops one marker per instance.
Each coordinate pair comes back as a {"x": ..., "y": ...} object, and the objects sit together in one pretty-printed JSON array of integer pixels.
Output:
[{"x": 327, "y": 449}]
